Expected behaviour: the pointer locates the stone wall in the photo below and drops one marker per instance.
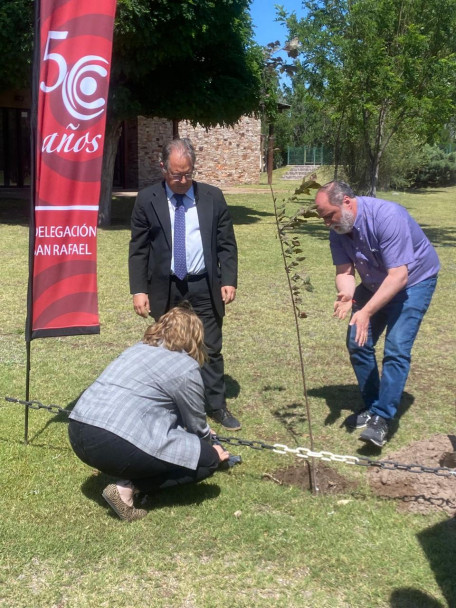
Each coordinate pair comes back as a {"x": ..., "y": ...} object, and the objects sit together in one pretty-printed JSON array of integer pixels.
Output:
[{"x": 225, "y": 156}]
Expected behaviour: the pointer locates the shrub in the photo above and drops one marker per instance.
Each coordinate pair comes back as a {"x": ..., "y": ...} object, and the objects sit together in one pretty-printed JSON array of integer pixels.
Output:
[{"x": 438, "y": 169}]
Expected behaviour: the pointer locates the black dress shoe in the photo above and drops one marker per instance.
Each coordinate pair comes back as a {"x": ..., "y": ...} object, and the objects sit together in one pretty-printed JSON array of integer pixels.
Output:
[{"x": 226, "y": 419}]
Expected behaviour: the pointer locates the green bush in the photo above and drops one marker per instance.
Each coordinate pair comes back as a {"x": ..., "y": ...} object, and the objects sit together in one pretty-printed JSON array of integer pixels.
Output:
[
  {"x": 438, "y": 169},
  {"x": 400, "y": 163}
]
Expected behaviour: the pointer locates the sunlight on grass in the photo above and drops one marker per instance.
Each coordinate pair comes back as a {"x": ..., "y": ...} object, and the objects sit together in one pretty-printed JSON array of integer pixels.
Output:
[{"x": 238, "y": 539}]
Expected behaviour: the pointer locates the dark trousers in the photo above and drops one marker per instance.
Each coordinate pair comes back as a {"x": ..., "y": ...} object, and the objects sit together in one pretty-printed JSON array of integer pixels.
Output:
[
  {"x": 119, "y": 458},
  {"x": 198, "y": 294}
]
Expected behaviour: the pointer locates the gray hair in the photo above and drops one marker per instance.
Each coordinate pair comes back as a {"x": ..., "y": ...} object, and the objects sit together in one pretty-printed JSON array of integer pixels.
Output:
[
  {"x": 336, "y": 191},
  {"x": 183, "y": 146}
]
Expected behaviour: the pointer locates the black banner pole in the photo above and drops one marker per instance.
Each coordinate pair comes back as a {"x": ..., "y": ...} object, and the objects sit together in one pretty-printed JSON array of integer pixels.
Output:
[
  {"x": 33, "y": 127},
  {"x": 27, "y": 393}
]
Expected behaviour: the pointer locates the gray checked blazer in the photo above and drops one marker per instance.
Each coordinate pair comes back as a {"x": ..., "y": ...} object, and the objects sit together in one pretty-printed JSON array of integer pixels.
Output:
[{"x": 153, "y": 398}]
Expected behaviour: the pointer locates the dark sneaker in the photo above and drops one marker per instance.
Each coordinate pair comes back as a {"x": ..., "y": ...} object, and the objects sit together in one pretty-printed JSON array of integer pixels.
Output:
[
  {"x": 358, "y": 420},
  {"x": 226, "y": 419},
  {"x": 376, "y": 431}
]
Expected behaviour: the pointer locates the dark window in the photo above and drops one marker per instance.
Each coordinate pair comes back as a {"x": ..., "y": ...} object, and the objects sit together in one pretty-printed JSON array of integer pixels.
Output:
[{"x": 14, "y": 147}]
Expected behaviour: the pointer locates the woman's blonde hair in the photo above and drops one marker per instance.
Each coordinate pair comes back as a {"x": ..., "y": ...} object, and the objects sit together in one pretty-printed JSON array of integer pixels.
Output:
[{"x": 181, "y": 330}]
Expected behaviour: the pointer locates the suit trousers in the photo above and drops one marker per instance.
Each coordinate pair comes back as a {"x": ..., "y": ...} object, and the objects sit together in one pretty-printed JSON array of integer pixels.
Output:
[
  {"x": 119, "y": 458},
  {"x": 197, "y": 292}
]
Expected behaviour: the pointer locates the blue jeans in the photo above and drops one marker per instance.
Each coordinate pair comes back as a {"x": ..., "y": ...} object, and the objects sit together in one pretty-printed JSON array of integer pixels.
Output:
[{"x": 402, "y": 318}]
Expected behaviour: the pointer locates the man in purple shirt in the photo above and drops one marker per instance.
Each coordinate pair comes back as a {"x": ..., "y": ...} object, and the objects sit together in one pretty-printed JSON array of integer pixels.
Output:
[{"x": 398, "y": 268}]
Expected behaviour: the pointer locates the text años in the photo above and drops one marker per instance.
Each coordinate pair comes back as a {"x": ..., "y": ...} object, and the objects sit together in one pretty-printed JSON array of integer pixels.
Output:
[{"x": 70, "y": 142}]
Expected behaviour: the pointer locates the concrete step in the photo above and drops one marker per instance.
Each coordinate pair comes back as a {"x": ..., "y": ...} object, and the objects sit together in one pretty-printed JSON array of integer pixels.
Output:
[{"x": 298, "y": 172}]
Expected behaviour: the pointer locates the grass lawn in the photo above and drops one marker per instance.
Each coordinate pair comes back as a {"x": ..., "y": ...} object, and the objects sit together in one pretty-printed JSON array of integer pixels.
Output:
[{"x": 238, "y": 539}]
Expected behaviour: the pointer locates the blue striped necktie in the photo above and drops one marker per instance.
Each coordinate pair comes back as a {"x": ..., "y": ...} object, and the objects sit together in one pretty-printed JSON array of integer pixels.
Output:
[{"x": 180, "y": 261}]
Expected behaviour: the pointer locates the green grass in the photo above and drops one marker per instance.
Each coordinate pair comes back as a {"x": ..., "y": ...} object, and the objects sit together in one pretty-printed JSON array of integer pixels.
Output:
[{"x": 235, "y": 540}]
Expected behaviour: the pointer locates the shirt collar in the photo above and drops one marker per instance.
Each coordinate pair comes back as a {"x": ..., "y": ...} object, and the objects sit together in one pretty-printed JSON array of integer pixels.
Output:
[
  {"x": 170, "y": 194},
  {"x": 359, "y": 213}
]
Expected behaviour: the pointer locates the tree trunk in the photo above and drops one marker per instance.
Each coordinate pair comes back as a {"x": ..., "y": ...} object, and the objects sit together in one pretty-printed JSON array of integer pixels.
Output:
[
  {"x": 373, "y": 177},
  {"x": 337, "y": 148},
  {"x": 376, "y": 153},
  {"x": 112, "y": 134},
  {"x": 270, "y": 155}
]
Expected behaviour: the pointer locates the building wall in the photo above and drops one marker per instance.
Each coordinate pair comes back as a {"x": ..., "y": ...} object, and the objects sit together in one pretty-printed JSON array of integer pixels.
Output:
[{"x": 225, "y": 156}]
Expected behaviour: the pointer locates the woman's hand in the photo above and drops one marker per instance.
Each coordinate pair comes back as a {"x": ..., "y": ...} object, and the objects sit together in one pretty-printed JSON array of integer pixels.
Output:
[{"x": 223, "y": 454}]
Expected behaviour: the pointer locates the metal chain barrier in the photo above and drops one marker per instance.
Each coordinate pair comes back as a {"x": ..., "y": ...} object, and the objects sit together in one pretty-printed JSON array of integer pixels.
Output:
[
  {"x": 278, "y": 448},
  {"x": 37, "y": 405}
]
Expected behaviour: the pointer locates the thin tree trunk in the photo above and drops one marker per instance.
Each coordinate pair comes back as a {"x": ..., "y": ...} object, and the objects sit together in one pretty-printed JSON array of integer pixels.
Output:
[
  {"x": 376, "y": 154},
  {"x": 112, "y": 134},
  {"x": 270, "y": 156},
  {"x": 337, "y": 147}
]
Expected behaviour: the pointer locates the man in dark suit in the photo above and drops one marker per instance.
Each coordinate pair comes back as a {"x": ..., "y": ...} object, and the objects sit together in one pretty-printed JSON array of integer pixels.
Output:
[{"x": 183, "y": 248}]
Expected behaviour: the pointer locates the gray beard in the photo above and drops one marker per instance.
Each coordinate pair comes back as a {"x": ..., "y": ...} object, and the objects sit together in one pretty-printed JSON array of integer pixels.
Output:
[{"x": 345, "y": 224}]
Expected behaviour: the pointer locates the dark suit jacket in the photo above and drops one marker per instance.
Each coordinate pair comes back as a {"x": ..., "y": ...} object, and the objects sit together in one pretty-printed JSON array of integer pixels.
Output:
[{"x": 151, "y": 243}]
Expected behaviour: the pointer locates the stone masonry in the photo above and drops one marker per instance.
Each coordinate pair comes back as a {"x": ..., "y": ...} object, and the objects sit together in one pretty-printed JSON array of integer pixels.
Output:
[{"x": 225, "y": 156}]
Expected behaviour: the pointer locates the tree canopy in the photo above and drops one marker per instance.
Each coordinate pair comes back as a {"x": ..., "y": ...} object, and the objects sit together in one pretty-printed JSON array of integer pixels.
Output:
[
  {"x": 16, "y": 40},
  {"x": 379, "y": 69},
  {"x": 192, "y": 60},
  {"x": 185, "y": 60}
]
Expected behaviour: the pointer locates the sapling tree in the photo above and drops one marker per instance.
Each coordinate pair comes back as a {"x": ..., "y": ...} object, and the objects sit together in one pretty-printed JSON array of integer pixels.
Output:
[{"x": 297, "y": 277}]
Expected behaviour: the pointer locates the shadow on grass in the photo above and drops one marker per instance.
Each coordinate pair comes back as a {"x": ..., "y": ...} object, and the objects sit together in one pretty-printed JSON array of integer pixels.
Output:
[
  {"x": 346, "y": 398},
  {"x": 192, "y": 494},
  {"x": 60, "y": 417},
  {"x": 441, "y": 237},
  {"x": 339, "y": 398},
  {"x": 413, "y": 598},
  {"x": 242, "y": 215},
  {"x": 439, "y": 545},
  {"x": 233, "y": 388},
  {"x": 17, "y": 212},
  {"x": 292, "y": 417}
]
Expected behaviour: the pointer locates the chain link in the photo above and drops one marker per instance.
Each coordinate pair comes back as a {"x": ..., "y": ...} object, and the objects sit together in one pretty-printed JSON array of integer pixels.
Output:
[
  {"x": 280, "y": 448},
  {"x": 326, "y": 456},
  {"x": 37, "y": 405}
]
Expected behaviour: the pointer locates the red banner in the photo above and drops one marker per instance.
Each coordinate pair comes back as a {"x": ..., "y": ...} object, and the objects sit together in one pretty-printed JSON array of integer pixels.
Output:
[{"x": 75, "y": 39}]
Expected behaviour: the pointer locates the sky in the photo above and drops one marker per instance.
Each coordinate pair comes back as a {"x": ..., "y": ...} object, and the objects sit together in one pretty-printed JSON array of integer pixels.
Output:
[{"x": 263, "y": 12}]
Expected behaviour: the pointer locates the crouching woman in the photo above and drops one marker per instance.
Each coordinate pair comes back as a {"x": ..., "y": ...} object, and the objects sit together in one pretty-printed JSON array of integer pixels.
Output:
[{"x": 143, "y": 420}]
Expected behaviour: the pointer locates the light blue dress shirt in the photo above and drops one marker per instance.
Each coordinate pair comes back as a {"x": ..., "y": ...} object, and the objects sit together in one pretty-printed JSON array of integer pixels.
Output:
[{"x": 193, "y": 242}]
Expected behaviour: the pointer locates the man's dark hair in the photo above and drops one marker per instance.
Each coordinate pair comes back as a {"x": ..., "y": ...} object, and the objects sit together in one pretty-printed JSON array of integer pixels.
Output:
[
  {"x": 184, "y": 146},
  {"x": 336, "y": 191}
]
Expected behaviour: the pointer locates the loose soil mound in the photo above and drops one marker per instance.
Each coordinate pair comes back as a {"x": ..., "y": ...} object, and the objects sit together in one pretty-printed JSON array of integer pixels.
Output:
[
  {"x": 414, "y": 492},
  {"x": 419, "y": 492},
  {"x": 328, "y": 480}
]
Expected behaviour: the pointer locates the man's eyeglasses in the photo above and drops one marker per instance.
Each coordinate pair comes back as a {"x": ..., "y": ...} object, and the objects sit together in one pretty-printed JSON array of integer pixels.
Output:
[{"x": 177, "y": 177}]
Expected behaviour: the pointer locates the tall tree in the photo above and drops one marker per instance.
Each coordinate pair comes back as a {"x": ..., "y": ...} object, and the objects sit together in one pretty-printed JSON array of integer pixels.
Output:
[
  {"x": 16, "y": 36},
  {"x": 192, "y": 60},
  {"x": 381, "y": 67},
  {"x": 180, "y": 60}
]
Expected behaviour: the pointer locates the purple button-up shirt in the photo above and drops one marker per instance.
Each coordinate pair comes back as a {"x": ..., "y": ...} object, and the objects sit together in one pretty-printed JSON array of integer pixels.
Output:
[{"x": 384, "y": 236}]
